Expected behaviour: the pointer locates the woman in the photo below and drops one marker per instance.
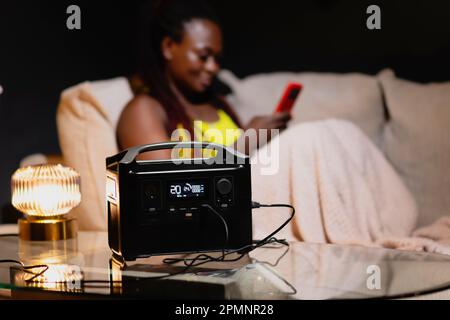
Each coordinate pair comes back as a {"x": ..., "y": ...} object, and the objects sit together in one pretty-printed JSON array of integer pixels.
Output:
[{"x": 180, "y": 60}]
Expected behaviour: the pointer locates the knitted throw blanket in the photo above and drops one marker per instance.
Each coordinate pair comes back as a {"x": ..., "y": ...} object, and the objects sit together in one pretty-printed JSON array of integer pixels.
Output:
[{"x": 343, "y": 189}]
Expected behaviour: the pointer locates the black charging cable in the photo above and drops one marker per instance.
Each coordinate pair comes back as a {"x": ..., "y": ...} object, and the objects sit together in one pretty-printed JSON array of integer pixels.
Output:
[
  {"x": 199, "y": 259},
  {"x": 9, "y": 235},
  {"x": 225, "y": 225},
  {"x": 27, "y": 269},
  {"x": 205, "y": 258},
  {"x": 256, "y": 205}
]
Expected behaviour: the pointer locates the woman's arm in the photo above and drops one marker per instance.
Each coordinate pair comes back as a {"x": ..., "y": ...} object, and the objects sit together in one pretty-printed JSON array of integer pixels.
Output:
[{"x": 143, "y": 121}]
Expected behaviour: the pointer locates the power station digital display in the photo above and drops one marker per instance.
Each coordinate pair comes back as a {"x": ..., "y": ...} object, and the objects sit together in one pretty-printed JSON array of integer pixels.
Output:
[{"x": 187, "y": 189}]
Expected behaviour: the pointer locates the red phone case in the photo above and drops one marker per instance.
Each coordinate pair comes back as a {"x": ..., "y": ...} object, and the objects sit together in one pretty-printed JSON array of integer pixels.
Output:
[{"x": 291, "y": 93}]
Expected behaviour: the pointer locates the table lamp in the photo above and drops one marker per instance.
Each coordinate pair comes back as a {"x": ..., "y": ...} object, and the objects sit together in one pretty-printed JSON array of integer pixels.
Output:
[{"x": 46, "y": 194}]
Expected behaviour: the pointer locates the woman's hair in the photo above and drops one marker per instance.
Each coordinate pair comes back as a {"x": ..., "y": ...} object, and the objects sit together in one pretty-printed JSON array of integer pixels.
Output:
[{"x": 166, "y": 18}]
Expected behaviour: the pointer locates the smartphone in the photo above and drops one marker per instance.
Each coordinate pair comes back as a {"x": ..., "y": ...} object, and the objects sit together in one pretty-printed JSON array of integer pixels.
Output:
[{"x": 289, "y": 96}]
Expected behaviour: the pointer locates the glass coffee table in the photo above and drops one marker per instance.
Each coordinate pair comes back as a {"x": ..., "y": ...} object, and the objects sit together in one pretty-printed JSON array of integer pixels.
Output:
[{"x": 84, "y": 268}]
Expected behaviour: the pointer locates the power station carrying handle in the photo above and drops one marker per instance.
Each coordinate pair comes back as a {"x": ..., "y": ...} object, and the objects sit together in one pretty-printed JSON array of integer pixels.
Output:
[{"x": 224, "y": 152}]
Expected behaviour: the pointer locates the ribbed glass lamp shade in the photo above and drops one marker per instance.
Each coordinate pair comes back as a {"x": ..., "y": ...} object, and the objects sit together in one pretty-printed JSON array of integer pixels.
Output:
[{"x": 45, "y": 191}]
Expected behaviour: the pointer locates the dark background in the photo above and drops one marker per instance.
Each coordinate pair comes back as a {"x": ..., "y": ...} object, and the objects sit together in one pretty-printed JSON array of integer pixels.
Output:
[{"x": 39, "y": 57}]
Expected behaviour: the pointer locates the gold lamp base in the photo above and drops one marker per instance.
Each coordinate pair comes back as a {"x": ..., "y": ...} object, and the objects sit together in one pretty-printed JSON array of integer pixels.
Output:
[{"x": 47, "y": 229}]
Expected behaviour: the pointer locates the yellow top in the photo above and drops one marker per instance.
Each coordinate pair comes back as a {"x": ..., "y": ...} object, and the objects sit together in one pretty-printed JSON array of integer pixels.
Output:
[{"x": 224, "y": 131}]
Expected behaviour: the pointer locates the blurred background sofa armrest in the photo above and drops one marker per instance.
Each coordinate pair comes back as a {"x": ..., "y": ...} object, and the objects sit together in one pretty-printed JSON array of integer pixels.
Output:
[{"x": 86, "y": 119}]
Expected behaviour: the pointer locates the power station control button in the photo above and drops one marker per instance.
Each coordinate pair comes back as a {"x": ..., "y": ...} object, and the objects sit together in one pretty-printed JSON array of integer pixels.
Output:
[{"x": 224, "y": 186}]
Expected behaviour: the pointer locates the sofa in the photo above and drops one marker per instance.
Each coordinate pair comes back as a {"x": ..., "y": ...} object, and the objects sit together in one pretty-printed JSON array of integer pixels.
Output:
[{"x": 408, "y": 121}]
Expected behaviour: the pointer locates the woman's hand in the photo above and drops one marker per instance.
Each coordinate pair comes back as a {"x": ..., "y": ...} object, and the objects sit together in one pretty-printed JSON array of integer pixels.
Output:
[{"x": 274, "y": 121}]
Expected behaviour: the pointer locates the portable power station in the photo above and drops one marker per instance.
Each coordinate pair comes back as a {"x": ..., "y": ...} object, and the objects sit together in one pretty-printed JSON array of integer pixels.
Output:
[{"x": 161, "y": 207}]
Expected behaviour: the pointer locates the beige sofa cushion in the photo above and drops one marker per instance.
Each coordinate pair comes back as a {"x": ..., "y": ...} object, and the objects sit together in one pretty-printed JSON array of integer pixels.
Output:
[
  {"x": 417, "y": 141},
  {"x": 355, "y": 97},
  {"x": 86, "y": 120}
]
